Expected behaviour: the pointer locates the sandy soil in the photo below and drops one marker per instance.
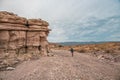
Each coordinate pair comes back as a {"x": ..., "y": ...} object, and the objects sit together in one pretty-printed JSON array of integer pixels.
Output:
[{"x": 64, "y": 67}]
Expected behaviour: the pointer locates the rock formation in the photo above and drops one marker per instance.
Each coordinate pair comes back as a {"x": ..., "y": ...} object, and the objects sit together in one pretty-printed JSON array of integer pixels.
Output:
[{"x": 21, "y": 35}]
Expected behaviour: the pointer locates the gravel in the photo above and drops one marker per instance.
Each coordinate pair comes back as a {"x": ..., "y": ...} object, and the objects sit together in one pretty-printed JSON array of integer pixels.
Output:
[{"x": 62, "y": 66}]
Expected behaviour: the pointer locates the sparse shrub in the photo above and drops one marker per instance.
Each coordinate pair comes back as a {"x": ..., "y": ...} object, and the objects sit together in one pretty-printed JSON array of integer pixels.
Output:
[
  {"x": 119, "y": 48},
  {"x": 82, "y": 51},
  {"x": 60, "y": 46},
  {"x": 109, "y": 51}
]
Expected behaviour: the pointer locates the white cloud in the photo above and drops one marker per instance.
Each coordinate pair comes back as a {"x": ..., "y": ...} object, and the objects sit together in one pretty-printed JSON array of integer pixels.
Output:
[
  {"x": 70, "y": 19},
  {"x": 57, "y": 35}
]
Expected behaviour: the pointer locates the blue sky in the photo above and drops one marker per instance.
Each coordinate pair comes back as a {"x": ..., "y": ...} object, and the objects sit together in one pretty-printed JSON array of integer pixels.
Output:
[{"x": 72, "y": 20}]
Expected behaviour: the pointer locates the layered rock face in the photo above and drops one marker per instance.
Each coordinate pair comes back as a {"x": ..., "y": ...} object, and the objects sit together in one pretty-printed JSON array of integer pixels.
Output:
[{"x": 21, "y": 35}]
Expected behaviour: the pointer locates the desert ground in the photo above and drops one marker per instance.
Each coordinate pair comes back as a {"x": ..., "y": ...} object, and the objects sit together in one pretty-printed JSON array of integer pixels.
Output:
[{"x": 62, "y": 66}]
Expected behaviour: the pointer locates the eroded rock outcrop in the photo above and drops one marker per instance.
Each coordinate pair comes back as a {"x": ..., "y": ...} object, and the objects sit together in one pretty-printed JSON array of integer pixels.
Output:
[{"x": 21, "y": 35}]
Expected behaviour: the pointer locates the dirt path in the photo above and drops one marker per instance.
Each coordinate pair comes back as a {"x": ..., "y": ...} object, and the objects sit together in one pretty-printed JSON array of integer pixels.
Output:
[{"x": 64, "y": 67}]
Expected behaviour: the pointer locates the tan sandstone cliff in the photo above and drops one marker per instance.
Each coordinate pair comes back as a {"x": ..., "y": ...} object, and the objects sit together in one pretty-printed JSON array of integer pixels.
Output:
[{"x": 21, "y": 35}]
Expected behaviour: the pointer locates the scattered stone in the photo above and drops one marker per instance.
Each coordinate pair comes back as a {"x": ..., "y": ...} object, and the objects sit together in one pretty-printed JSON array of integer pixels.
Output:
[
  {"x": 50, "y": 54},
  {"x": 10, "y": 68},
  {"x": 117, "y": 59},
  {"x": 101, "y": 57},
  {"x": 7, "y": 54}
]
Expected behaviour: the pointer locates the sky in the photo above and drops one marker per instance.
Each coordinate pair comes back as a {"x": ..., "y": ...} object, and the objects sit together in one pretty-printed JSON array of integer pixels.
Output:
[{"x": 72, "y": 20}]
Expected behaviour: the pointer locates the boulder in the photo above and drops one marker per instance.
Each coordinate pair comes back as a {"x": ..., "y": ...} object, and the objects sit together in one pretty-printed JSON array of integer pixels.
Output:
[{"x": 10, "y": 68}]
